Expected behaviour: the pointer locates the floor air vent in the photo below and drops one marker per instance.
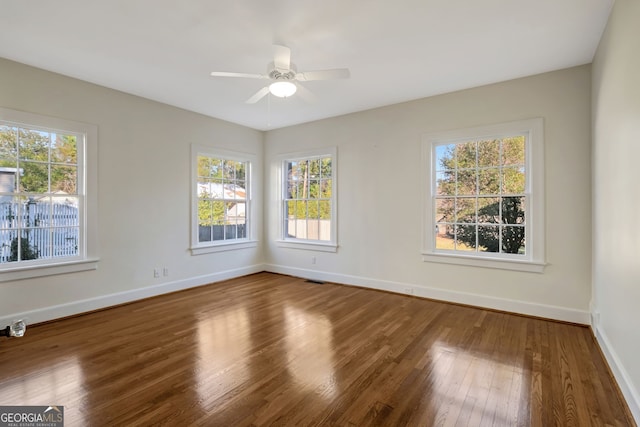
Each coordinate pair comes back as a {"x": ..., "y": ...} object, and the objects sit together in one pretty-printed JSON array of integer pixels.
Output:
[{"x": 315, "y": 282}]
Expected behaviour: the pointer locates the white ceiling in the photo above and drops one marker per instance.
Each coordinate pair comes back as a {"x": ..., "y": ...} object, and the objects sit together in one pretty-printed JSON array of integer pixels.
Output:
[{"x": 397, "y": 50}]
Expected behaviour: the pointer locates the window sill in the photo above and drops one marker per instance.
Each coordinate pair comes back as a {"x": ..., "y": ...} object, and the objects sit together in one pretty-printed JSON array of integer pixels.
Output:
[
  {"x": 27, "y": 272},
  {"x": 308, "y": 245},
  {"x": 223, "y": 247},
  {"x": 503, "y": 264}
]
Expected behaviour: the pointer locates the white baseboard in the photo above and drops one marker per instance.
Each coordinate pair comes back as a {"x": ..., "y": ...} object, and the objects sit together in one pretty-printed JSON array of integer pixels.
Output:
[
  {"x": 83, "y": 306},
  {"x": 629, "y": 392},
  {"x": 512, "y": 306}
]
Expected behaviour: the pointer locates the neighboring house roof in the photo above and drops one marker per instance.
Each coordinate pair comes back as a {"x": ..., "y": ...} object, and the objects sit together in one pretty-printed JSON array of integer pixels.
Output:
[{"x": 221, "y": 191}]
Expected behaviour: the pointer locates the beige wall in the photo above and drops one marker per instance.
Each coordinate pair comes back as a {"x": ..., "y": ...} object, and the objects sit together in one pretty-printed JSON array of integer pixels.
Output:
[
  {"x": 144, "y": 190},
  {"x": 379, "y": 170},
  {"x": 616, "y": 197}
]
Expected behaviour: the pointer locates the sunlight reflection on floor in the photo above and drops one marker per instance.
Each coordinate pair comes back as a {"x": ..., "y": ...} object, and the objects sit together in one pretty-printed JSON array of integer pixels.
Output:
[
  {"x": 58, "y": 383},
  {"x": 223, "y": 341},
  {"x": 310, "y": 358}
]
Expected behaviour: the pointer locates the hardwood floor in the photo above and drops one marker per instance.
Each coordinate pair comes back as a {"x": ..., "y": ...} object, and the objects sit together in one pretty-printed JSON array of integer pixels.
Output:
[{"x": 274, "y": 350}]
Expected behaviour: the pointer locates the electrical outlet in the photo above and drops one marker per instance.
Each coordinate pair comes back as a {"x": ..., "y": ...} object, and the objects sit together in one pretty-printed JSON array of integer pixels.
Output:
[
  {"x": 165, "y": 272},
  {"x": 313, "y": 260},
  {"x": 156, "y": 273}
]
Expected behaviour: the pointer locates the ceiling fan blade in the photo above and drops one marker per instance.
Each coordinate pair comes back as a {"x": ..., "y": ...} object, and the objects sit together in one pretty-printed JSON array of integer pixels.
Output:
[
  {"x": 244, "y": 75},
  {"x": 281, "y": 57},
  {"x": 258, "y": 95},
  {"x": 306, "y": 95},
  {"x": 336, "y": 73}
]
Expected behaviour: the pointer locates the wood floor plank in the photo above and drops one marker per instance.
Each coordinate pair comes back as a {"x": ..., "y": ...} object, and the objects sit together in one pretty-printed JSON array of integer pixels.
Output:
[{"x": 268, "y": 349}]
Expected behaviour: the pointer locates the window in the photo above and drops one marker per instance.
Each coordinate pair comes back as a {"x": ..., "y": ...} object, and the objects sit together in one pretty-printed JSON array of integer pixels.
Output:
[
  {"x": 222, "y": 203},
  {"x": 485, "y": 204},
  {"x": 44, "y": 203},
  {"x": 309, "y": 201}
]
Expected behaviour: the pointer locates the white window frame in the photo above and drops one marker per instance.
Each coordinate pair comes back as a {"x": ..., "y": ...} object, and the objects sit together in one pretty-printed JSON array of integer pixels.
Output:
[
  {"x": 87, "y": 185},
  {"x": 250, "y": 241},
  {"x": 308, "y": 244},
  {"x": 534, "y": 259}
]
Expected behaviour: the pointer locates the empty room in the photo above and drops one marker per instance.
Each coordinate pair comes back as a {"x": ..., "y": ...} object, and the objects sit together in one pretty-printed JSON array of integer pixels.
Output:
[{"x": 412, "y": 213}]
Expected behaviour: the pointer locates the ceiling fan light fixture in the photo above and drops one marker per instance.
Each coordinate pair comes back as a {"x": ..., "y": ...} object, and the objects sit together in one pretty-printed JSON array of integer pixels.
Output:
[{"x": 282, "y": 89}]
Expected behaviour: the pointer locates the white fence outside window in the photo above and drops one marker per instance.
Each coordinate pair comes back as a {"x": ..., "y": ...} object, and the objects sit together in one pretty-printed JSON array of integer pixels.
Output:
[{"x": 51, "y": 230}]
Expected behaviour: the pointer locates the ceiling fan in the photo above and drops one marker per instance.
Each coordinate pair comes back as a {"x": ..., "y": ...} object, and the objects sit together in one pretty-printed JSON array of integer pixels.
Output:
[{"x": 283, "y": 75}]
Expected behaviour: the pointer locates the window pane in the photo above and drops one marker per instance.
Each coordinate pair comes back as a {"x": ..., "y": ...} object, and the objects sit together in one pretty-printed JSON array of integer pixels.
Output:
[
  {"x": 216, "y": 189},
  {"x": 489, "y": 181},
  {"x": 215, "y": 168},
  {"x": 445, "y": 237},
  {"x": 205, "y": 233},
  {"x": 489, "y": 210},
  {"x": 230, "y": 231},
  {"x": 64, "y": 242},
  {"x": 239, "y": 191},
  {"x": 64, "y": 179},
  {"x": 7, "y": 249},
  {"x": 8, "y": 182},
  {"x": 513, "y": 150},
  {"x": 35, "y": 178},
  {"x": 293, "y": 171},
  {"x": 30, "y": 243},
  {"x": 236, "y": 213},
  {"x": 489, "y": 153},
  {"x": 324, "y": 209},
  {"x": 33, "y": 145},
  {"x": 290, "y": 224},
  {"x": 313, "y": 229},
  {"x": 10, "y": 212},
  {"x": 466, "y": 154},
  {"x": 218, "y": 212},
  {"x": 489, "y": 238},
  {"x": 314, "y": 169},
  {"x": 325, "y": 189},
  {"x": 513, "y": 240},
  {"x": 240, "y": 172},
  {"x": 467, "y": 182},
  {"x": 301, "y": 209},
  {"x": 326, "y": 172},
  {"x": 445, "y": 157},
  {"x": 313, "y": 211},
  {"x": 466, "y": 238},
  {"x": 203, "y": 188},
  {"x": 466, "y": 209},
  {"x": 205, "y": 212},
  {"x": 64, "y": 149},
  {"x": 203, "y": 166},
  {"x": 513, "y": 210},
  {"x": 314, "y": 189},
  {"x": 229, "y": 170},
  {"x": 513, "y": 180},
  {"x": 292, "y": 190},
  {"x": 242, "y": 231},
  {"x": 446, "y": 183},
  {"x": 8, "y": 146},
  {"x": 445, "y": 210},
  {"x": 290, "y": 209},
  {"x": 65, "y": 211}
]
